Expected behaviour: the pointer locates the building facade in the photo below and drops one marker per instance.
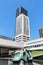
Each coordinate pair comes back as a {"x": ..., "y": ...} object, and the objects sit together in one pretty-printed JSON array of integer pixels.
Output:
[
  {"x": 22, "y": 25},
  {"x": 41, "y": 32}
]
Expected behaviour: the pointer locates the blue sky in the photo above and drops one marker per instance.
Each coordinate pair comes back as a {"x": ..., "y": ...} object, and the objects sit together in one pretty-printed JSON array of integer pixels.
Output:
[{"x": 8, "y": 16}]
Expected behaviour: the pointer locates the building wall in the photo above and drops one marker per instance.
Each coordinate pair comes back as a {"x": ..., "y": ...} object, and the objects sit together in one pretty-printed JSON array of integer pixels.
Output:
[
  {"x": 41, "y": 32},
  {"x": 19, "y": 25}
]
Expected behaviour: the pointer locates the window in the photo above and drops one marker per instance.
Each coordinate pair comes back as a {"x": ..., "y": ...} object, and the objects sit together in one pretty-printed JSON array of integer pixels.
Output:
[{"x": 26, "y": 30}]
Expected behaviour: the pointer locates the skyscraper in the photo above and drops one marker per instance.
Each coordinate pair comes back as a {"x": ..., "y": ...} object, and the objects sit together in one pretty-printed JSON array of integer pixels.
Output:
[
  {"x": 22, "y": 25},
  {"x": 41, "y": 32}
]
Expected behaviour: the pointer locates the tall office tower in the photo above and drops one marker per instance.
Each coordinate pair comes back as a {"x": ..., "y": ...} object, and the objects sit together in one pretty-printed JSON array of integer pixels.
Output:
[
  {"x": 41, "y": 32},
  {"x": 22, "y": 25}
]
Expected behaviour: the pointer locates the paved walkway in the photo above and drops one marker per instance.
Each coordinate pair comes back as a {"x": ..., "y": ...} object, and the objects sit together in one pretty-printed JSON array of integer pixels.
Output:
[{"x": 36, "y": 63}]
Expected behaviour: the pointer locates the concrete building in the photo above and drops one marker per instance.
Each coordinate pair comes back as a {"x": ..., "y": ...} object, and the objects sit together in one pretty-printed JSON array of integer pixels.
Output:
[
  {"x": 36, "y": 44},
  {"x": 41, "y": 32},
  {"x": 22, "y": 25}
]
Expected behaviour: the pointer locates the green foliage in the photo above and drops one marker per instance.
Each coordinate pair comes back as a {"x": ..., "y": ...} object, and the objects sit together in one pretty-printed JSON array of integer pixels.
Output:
[{"x": 36, "y": 52}]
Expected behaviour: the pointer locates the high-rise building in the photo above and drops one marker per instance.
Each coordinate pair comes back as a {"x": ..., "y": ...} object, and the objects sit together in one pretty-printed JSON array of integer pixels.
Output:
[
  {"x": 22, "y": 25},
  {"x": 41, "y": 32}
]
